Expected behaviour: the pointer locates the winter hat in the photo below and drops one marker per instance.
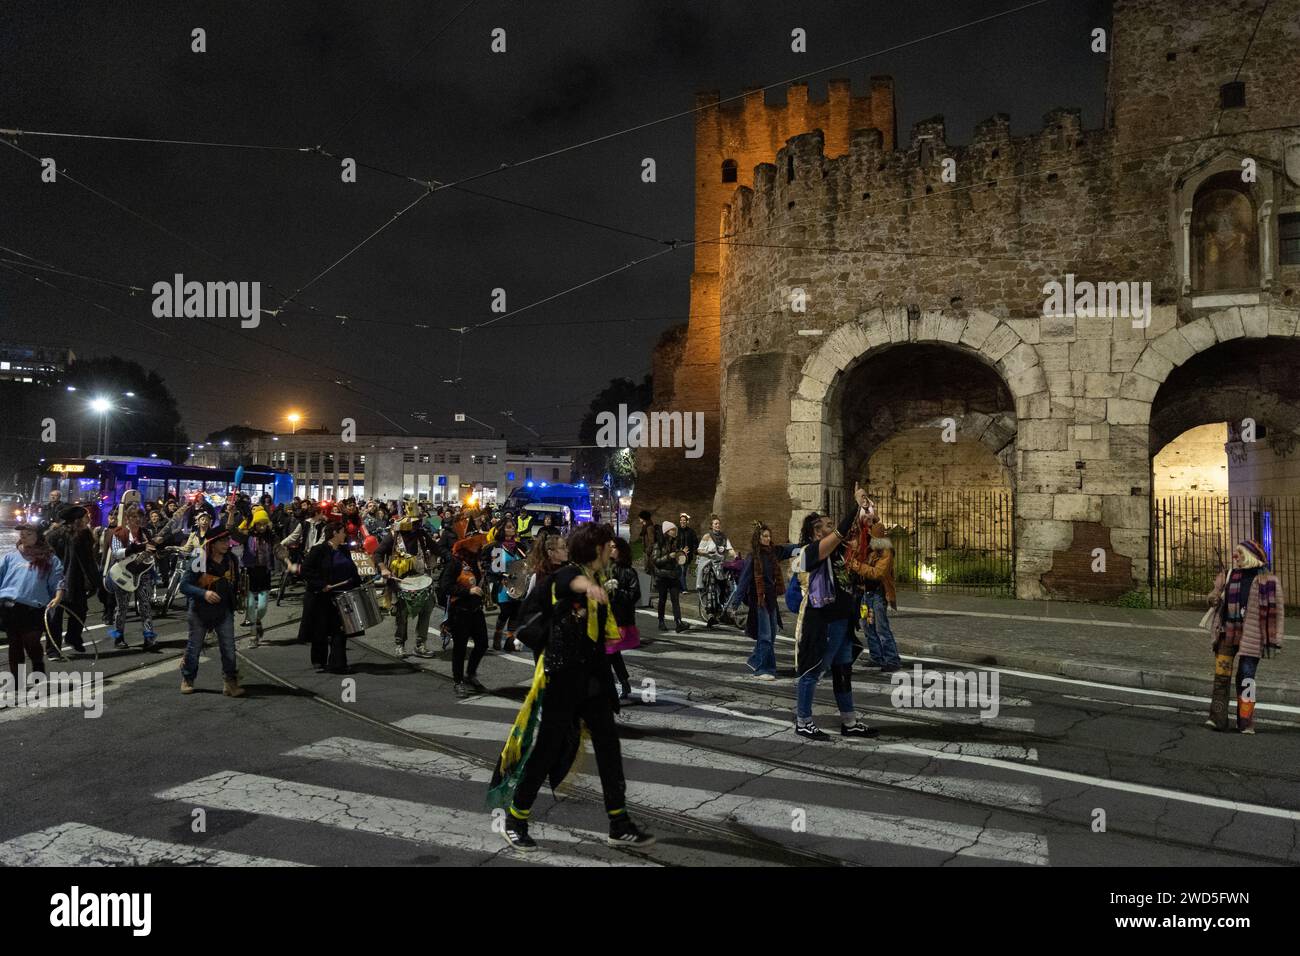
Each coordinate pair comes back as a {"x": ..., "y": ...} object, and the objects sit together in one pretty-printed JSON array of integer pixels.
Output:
[
  {"x": 1255, "y": 550},
  {"x": 669, "y": 526}
]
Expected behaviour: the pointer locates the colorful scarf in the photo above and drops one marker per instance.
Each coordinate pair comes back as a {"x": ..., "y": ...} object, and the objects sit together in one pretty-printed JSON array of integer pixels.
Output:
[{"x": 1237, "y": 598}]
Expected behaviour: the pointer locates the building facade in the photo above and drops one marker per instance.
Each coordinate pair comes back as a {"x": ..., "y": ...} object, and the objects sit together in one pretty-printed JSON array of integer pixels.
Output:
[{"x": 863, "y": 310}]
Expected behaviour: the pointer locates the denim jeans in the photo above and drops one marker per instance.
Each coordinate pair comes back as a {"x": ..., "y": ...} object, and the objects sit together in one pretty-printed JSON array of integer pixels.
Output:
[
  {"x": 839, "y": 650},
  {"x": 763, "y": 660},
  {"x": 225, "y": 643},
  {"x": 880, "y": 637},
  {"x": 256, "y": 606}
]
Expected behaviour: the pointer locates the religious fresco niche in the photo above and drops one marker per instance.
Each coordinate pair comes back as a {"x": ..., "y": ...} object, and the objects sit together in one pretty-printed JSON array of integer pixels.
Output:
[{"x": 1225, "y": 251}]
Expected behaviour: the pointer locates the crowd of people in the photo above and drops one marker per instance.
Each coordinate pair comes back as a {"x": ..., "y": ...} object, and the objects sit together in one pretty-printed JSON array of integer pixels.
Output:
[{"x": 569, "y": 595}]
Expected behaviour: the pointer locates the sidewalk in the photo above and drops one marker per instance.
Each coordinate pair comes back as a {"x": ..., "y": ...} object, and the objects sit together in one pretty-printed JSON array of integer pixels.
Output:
[{"x": 1157, "y": 649}]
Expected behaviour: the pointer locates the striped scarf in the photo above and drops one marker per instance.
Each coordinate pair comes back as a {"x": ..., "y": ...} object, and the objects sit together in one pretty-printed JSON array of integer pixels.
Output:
[{"x": 1236, "y": 601}]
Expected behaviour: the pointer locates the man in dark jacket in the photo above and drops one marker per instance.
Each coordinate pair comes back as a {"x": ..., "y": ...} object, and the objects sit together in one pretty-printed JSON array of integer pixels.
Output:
[
  {"x": 75, "y": 546},
  {"x": 328, "y": 568},
  {"x": 211, "y": 584},
  {"x": 689, "y": 540}
]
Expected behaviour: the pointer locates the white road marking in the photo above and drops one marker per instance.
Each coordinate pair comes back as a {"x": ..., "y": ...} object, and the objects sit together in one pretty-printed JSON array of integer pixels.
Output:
[
  {"x": 827, "y": 823},
  {"x": 684, "y": 755},
  {"x": 444, "y": 826},
  {"x": 79, "y": 844}
]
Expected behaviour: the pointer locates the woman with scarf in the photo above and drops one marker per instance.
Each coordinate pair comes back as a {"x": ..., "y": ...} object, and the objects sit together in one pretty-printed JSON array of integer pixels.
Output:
[
  {"x": 825, "y": 635},
  {"x": 1247, "y": 625},
  {"x": 761, "y": 583},
  {"x": 570, "y": 688},
  {"x": 31, "y": 584}
]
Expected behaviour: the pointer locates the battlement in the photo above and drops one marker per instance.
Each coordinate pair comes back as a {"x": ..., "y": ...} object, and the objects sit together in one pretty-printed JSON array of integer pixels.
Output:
[{"x": 806, "y": 178}]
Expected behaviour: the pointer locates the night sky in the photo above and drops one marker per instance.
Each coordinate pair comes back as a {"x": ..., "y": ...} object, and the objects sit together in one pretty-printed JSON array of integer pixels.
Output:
[{"x": 414, "y": 88}]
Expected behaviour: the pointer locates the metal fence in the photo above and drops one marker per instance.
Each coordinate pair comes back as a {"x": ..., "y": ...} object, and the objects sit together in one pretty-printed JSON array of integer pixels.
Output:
[
  {"x": 955, "y": 541},
  {"x": 1192, "y": 537}
]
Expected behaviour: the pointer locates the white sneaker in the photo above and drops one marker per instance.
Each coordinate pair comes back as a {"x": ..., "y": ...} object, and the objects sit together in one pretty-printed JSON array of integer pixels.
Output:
[
  {"x": 399, "y": 649},
  {"x": 764, "y": 677}
]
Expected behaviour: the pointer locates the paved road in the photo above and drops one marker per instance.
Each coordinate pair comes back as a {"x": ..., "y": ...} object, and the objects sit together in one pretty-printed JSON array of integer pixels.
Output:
[{"x": 297, "y": 772}]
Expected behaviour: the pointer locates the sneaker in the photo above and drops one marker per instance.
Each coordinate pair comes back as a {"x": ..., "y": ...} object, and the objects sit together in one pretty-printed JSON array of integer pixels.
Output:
[
  {"x": 764, "y": 677},
  {"x": 858, "y": 729},
  {"x": 682, "y": 628},
  {"x": 1249, "y": 730},
  {"x": 473, "y": 682},
  {"x": 623, "y": 832},
  {"x": 810, "y": 731},
  {"x": 1210, "y": 724},
  {"x": 516, "y": 834},
  {"x": 421, "y": 649},
  {"x": 187, "y": 687},
  {"x": 399, "y": 648},
  {"x": 462, "y": 689}
]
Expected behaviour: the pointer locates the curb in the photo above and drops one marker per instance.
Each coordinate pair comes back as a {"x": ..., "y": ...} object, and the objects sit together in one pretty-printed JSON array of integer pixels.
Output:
[{"x": 1279, "y": 692}]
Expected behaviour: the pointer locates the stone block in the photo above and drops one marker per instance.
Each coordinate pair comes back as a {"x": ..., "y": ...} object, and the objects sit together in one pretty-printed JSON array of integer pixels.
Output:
[
  {"x": 808, "y": 437},
  {"x": 1254, "y": 320},
  {"x": 1039, "y": 435},
  {"x": 1153, "y": 365},
  {"x": 1057, "y": 328},
  {"x": 1002, "y": 340},
  {"x": 1163, "y": 319},
  {"x": 802, "y": 410},
  {"x": 1028, "y": 382},
  {"x": 1038, "y": 534},
  {"x": 979, "y": 326},
  {"x": 1101, "y": 384},
  {"x": 1035, "y": 405},
  {"x": 1125, "y": 511},
  {"x": 1021, "y": 357},
  {"x": 1033, "y": 562},
  {"x": 1076, "y": 508},
  {"x": 1138, "y": 387},
  {"x": 951, "y": 328},
  {"x": 1090, "y": 355},
  {"x": 1199, "y": 334},
  {"x": 1126, "y": 411},
  {"x": 1027, "y": 329},
  {"x": 1173, "y": 346},
  {"x": 1088, "y": 411},
  {"x": 1124, "y": 353},
  {"x": 1031, "y": 505},
  {"x": 1282, "y": 322},
  {"x": 1054, "y": 355},
  {"x": 1227, "y": 324}
]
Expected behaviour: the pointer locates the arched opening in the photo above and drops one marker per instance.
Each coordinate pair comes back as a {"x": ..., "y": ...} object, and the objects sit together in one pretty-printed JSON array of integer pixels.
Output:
[
  {"x": 1224, "y": 466},
  {"x": 729, "y": 170},
  {"x": 930, "y": 431}
]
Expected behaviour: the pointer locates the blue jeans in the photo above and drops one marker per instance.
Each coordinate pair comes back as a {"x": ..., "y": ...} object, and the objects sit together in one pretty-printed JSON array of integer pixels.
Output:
[
  {"x": 225, "y": 643},
  {"x": 839, "y": 651},
  {"x": 256, "y": 606},
  {"x": 880, "y": 637},
  {"x": 763, "y": 660}
]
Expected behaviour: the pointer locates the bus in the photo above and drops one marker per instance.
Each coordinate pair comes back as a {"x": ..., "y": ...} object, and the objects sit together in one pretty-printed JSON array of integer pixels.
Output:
[
  {"x": 103, "y": 480},
  {"x": 574, "y": 497}
]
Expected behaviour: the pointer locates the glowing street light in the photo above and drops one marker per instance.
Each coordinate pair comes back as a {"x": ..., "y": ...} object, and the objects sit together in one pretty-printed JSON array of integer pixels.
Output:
[
  {"x": 100, "y": 405},
  {"x": 294, "y": 419}
]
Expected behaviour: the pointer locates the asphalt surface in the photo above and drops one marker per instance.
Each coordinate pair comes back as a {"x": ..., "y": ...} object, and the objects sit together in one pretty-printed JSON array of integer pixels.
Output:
[{"x": 392, "y": 769}]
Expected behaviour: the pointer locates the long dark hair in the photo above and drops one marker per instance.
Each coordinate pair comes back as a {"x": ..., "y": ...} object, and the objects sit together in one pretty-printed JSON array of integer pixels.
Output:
[
  {"x": 809, "y": 524},
  {"x": 622, "y": 553},
  {"x": 756, "y": 539}
]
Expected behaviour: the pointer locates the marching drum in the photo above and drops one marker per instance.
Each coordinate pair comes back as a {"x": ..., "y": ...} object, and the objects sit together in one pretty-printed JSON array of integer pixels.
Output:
[
  {"x": 358, "y": 608},
  {"x": 415, "y": 591}
]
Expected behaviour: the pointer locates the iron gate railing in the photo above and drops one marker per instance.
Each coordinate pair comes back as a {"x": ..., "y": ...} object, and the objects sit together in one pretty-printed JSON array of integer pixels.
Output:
[
  {"x": 1192, "y": 537},
  {"x": 956, "y": 541}
]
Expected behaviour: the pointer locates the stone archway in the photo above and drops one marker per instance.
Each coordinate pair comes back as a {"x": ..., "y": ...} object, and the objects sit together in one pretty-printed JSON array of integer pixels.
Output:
[{"x": 816, "y": 469}]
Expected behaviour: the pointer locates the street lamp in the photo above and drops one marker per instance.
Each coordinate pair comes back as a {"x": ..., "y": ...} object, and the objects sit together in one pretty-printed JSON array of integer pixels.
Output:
[
  {"x": 294, "y": 419},
  {"x": 101, "y": 406}
]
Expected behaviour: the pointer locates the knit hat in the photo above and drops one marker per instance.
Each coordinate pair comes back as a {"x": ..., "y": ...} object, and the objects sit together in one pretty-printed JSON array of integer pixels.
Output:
[
  {"x": 259, "y": 515},
  {"x": 669, "y": 526},
  {"x": 1255, "y": 549}
]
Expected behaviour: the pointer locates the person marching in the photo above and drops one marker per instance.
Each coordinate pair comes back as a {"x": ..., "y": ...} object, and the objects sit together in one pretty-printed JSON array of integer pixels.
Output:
[
  {"x": 825, "y": 637},
  {"x": 212, "y": 584},
  {"x": 570, "y": 684},
  {"x": 504, "y": 552},
  {"x": 667, "y": 562},
  {"x": 1247, "y": 623},
  {"x": 126, "y": 542},
  {"x": 761, "y": 584},
  {"x": 260, "y": 548},
  {"x": 877, "y": 572},
  {"x": 407, "y": 552},
  {"x": 465, "y": 618},
  {"x": 688, "y": 540},
  {"x": 624, "y": 588},
  {"x": 81, "y": 577},
  {"x": 328, "y": 567},
  {"x": 31, "y": 585}
]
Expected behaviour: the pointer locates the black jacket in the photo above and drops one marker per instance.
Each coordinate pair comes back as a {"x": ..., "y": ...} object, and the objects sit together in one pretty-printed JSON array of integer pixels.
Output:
[{"x": 626, "y": 596}]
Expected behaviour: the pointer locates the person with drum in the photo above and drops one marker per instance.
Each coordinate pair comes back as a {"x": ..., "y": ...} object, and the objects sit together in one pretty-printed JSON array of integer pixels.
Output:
[
  {"x": 328, "y": 568},
  {"x": 505, "y": 552},
  {"x": 405, "y": 558},
  {"x": 212, "y": 587}
]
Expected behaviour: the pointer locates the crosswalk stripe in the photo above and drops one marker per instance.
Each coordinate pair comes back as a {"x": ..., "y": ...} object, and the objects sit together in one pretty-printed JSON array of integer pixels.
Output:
[
  {"x": 79, "y": 844},
  {"x": 445, "y": 826},
  {"x": 429, "y": 763},
  {"x": 827, "y": 823},
  {"x": 988, "y": 792}
]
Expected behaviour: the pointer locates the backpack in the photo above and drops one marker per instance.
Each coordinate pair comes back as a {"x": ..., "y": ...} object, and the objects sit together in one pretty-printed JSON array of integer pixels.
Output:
[
  {"x": 794, "y": 594},
  {"x": 533, "y": 625}
]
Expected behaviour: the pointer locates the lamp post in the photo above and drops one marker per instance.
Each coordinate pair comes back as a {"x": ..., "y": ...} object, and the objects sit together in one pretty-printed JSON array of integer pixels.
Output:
[
  {"x": 101, "y": 406},
  {"x": 294, "y": 419}
]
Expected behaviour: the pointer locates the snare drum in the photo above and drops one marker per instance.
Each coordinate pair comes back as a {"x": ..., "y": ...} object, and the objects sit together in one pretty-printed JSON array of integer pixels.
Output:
[
  {"x": 415, "y": 591},
  {"x": 358, "y": 608}
]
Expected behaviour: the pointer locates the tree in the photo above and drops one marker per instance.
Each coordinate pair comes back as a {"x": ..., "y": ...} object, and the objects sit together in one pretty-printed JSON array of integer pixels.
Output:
[
  {"x": 591, "y": 464},
  {"x": 140, "y": 424}
]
